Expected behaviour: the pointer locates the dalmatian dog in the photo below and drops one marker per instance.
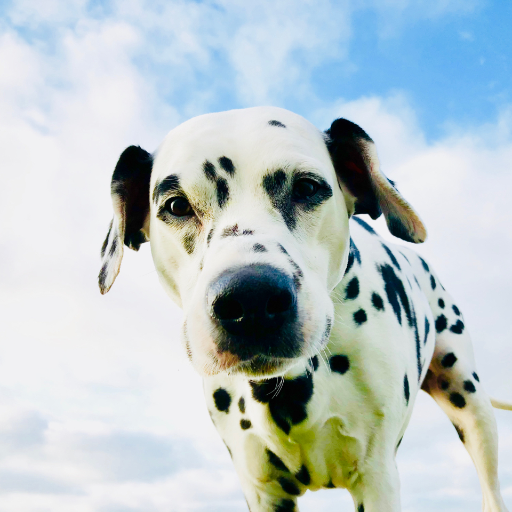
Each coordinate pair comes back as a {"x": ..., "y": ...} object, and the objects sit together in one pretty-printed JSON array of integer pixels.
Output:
[{"x": 313, "y": 335}]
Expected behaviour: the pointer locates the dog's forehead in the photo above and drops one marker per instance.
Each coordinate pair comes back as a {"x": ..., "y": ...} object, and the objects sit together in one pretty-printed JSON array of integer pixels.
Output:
[{"x": 254, "y": 139}]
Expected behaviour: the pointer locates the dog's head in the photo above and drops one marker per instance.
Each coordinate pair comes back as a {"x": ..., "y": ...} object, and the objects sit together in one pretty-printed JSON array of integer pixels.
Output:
[{"x": 247, "y": 212}]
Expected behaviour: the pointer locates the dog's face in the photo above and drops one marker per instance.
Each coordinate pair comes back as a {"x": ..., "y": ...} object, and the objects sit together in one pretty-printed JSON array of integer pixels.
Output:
[{"x": 247, "y": 213}]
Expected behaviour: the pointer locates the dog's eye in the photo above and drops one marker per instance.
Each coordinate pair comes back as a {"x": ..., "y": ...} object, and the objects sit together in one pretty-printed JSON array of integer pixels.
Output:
[
  {"x": 304, "y": 189},
  {"x": 178, "y": 206}
]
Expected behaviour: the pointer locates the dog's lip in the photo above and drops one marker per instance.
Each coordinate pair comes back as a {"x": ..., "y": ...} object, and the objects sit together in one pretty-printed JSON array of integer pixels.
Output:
[{"x": 262, "y": 367}]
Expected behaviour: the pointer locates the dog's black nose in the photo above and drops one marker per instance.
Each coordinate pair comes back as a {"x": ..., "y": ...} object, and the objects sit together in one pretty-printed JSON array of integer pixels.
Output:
[{"x": 253, "y": 300}]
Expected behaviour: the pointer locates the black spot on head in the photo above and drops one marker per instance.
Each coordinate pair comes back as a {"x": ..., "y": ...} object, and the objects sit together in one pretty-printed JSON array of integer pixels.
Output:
[
  {"x": 449, "y": 360},
  {"x": 427, "y": 330},
  {"x": 230, "y": 231},
  {"x": 433, "y": 282},
  {"x": 314, "y": 363},
  {"x": 339, "y": 364},
  {"x": 222, "y": 192},
  {"x": 444, "y": 384},
  {"x": 469, "y": 386},
  {"x": 169, "y": 184},
  {"x": 276, "y": 461},
  {"x": 245, "y": 424},
  {"x": 246, "y": 232},
  {"x": 285, "y": 506},
  {"x": 364, "y": 225},
  {"x": 391, "y": 256},
  {"x": 227, "y": 164},
  {"x": 475, "y": 376},
  {"x": 377, "y": 302},
  {"x": 360, "y": 317},
  {"x": 456, "y": 310},
  {"x": 209, "y": 170},
  {"x": 259, "y": 248},
  {"x": 289, "y": 406},
  {"x": 273, "y": 122},
  {"x": 288, "y": 486},
  {"x": 457, "y": 400},
  {"x": 458, "y": 327},
  {"x": 328, "y": 326},
  {"x": 396, "y": 294},
  {"x": 282, "y": 249},
  {"x": 241, "y": 404},
  {"x": 441, "y": 323},
  {"x": 209, "y": 237},
  {"x": 274, "y": 185},
  {"x": 406, "y": 258},
  {"x": 352, "y": 289},
  {"x": 460, "y": 432},
  {"x": 424, "y": 263},
  {"x": 189, "y": 242},
  {"x": 222, "y": 400},
  {"x": 303, "y": 475},
  {"x": 407, "y": 393},
  {"x": 441, "y": 303}
]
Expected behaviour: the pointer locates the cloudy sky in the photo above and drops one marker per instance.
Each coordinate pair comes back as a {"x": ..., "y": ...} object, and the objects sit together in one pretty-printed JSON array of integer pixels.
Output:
[{"x": 99, "y": 409}]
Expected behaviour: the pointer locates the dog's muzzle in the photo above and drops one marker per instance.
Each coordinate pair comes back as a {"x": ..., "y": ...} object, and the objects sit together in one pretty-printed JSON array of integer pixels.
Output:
[{"x": 255, "y": 310}]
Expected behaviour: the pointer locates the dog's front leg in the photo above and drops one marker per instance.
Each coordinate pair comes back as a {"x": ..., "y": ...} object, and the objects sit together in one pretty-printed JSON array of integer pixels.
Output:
[
  {"x": 377, "y": 487},
  {"x": 268, "y": 498}
]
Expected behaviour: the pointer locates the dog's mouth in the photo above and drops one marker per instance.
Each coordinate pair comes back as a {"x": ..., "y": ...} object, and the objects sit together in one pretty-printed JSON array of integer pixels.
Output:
[{"x": 261, "y": 366}]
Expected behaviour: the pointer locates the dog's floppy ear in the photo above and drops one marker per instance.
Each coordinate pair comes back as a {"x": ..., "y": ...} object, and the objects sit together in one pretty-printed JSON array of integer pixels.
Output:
[
  {"x": 356, "y": 163},
  {"x": 130, "y": 198}
]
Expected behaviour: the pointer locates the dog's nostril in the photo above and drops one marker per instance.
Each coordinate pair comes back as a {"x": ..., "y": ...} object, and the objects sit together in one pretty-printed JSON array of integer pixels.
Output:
[
  {"x": 228, "y": 309},
  {"x": 279, "y": 303}
]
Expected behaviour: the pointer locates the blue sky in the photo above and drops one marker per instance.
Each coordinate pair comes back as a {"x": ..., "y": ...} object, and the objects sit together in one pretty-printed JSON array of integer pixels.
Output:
[{"x": 99, "y": 409}]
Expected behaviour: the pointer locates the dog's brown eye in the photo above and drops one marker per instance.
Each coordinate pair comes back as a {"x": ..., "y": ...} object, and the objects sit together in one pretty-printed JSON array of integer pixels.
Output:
[
  {"x": 304, "y": 189},
  {"x": 178, "y": 206}
]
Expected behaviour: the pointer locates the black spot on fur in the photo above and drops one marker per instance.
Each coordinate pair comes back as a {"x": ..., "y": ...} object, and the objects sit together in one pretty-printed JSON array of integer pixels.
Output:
[
  {"x": 391, "y": 256},
  {"x": 469, "y": 386},
  {"x": 424, "y": 263},
  {"x": 105, "y": 243},
  {"x": 449, "y": 360},
  {"x": 273, "y": 122},
  {"x": 329, "y": 485},
  {"x": 441, "y": 323},
  {"x": 303, "y": 475},
  {"x": 327, "y": 330},
  {"x": 475, "y": 376},
  {"x": 360, "y": 508},
  {"x": 189, "y": 242},
  {"x": 352, "y": 289},
  {"x": 209, "y": 170},
  {"x": 314, "y": 363},
  {"x": 113, "y": 247},
  {"x": 407, "y": 393},
  {"x": 276, "y": 461},
  {"x": 209, "y": 237},
  {"x": 460, "y": 432},
  {"x": 433, "y": 282},
  {"x": 444, "y": 384},
  {"x": 285, "y": 506},
  {"x": 297, "y": 275},
  {"x": 360, "y": 317},
  {"x": 289, "y": 406},
  {"x": 427, "y": 330},
  {"x": 458, "y": 327},
  {"x": 441, "y": 303},
  {"x": 456, "y": 310},
  {"x": 417, "y": 342},
  {"x": 339, "y": 364},
  {"x": 259, "y": 248},
  {"x": 288, "y": 486},
  {"x": 457, "y": 400},
  {"x": 169, "y": 184},
  {"x": 245, "y": 424},
  {"x": 399, "y": 442},
  {"x": 227, "y": 164},
  {"x": 377, "y": 302},
  {"x": 230, "y": 231},
  {"x": 246, "y": 232},
  {"x": 364, "y": 225},
  {"x": 241, "y": 404},
  {"x": 353, "y": 255},
  {"x": 222, "y": 192},
  {"x": 396, "y": 294},
  {"x": 282, "y": 249},
  {"x": 406, "y": 258},
  {"x": 274, "y": 185},
  {"x": 222, "y": 400}
]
